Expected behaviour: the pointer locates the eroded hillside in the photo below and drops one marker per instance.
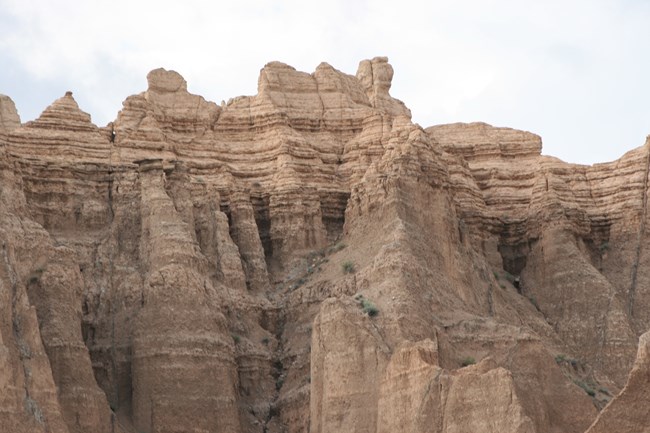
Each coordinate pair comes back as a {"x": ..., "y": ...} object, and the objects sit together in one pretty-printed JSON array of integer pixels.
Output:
[{"x": 309, "y": 260}]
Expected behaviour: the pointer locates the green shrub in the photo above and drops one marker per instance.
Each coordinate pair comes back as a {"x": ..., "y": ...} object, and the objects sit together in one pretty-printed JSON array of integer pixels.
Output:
[
  {"x": 369, "y": 308},
  {"x": 35, "y": 276},
  {"x": 468, "y": 361},
  {"x": 348, "y": 267},
  {"x": 585, "y": 387},
  {"x": 236, "y": 338},
  {"x": 335, "y": 248},
  {"x": 560, "y": 358}
]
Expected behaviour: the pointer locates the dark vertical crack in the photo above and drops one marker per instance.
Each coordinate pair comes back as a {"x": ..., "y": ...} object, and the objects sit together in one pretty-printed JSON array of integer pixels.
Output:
[
  {"x": 639, "y": 243},
  {"x": 490, "y": 301},
  {"x": 278, "y": 371}
]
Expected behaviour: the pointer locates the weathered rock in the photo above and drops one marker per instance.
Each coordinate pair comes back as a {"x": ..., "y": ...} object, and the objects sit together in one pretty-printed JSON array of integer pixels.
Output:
[
  {"x": 9, "y": 118},
  {"x": 375, "y": 76},
  {"x": 628, "y": 411},
  {"x": 190, "y": 343},
  {"x": 308, "y": 259},
  {"x": 348, "y": 356}
]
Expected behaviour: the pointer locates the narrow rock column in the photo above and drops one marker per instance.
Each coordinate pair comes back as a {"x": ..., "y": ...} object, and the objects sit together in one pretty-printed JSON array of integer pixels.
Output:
[
  {"x": 56, "y": 293},
  {"x": 247, "y": 237},
  {"x": 213, "y": 235},
  {"x": 184, "y": 373}
]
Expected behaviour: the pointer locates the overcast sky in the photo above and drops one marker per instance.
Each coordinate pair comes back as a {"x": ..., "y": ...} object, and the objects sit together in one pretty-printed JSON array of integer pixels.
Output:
[{"x": 576, "y": 72}]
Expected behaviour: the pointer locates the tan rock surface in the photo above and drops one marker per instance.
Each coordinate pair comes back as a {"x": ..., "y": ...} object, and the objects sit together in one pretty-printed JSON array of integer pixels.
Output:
[
  {"x": 628, "y": 411},
  {"x": 308, "y": 259},
  {"x": 9, "y": 118}
]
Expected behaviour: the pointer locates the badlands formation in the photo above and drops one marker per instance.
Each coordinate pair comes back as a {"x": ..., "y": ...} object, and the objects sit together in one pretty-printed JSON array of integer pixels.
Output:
[{"x": 310, "y": 260}]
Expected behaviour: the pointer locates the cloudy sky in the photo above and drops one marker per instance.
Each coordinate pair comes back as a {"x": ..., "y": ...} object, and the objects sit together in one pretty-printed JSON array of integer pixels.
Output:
[{"x": 576, "y": 72}]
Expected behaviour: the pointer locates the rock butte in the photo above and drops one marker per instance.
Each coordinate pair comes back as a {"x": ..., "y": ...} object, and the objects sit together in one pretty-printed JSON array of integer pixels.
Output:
[{"x": 309, "y": 260}]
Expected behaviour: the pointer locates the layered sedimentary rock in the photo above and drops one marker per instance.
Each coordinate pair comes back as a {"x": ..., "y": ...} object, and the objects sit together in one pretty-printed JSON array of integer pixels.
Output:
[
  {"x": 47, "y": 378},
  {"x": 628, "y": 412},
  {"x": 556, "y": 225},
  {"x": 308, "y": 259}
]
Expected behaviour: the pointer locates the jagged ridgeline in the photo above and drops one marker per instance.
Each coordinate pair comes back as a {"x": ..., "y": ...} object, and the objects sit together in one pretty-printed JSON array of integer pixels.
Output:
[{"x": 309, "y": 260}]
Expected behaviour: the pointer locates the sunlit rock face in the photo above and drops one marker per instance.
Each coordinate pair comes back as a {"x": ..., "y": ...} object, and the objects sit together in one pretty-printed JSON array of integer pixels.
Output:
[{"x": 309, "y": 260}]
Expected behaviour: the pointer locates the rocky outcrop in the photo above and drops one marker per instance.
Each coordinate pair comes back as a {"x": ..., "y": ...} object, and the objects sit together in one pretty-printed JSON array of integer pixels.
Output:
[
  {"x": 556, "y": 226},
  {"x": 9, "y": 118},
  {"x": 628, "y": 411},
  {"x": 191, "y": 343},
  {"x": 375, "y": 76},
  {"x": 308, "y": 259}
]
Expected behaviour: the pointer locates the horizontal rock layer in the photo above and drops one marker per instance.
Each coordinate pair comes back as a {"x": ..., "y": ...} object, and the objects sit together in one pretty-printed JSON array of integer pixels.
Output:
[{"x": 308, "y": 259}]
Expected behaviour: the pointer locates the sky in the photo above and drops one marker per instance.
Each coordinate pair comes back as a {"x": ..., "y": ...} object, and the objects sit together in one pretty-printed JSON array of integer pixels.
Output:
[{"x": 576, "y": 72}]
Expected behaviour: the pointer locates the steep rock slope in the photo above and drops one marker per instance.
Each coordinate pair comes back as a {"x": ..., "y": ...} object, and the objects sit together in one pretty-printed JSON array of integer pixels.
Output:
[
  {"x": 308, "y": 259},
  {"x": 628, "y": 412}
]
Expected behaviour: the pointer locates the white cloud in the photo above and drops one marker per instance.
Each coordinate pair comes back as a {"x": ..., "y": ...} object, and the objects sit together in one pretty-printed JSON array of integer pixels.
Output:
[{"x": 574, "y": 72}]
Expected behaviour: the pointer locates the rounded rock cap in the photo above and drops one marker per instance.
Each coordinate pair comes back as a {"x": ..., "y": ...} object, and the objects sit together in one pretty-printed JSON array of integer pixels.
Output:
[{"x": 164, "y": 81}]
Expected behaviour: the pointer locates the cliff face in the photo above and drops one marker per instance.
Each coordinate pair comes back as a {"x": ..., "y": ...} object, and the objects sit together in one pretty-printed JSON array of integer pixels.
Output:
[{"x": 308, "y": 259}]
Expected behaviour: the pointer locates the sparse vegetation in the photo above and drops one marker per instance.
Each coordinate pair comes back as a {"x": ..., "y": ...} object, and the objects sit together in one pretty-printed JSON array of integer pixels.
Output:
[
  {"x": 314, "y": 255},
  {"x": 604, "y": 247},
  {"x": 236, "y": 338},
  {"x": 298, "y": 283},
  {"x": 367, "y": 306},
  {"x": 585, "y": 387},
  {"x": 468, "y": 361},
  {"x": 265, "y": 341},
  {"x": 560, "y": 358},
  {"x": 534, "y": 302},
  {"x": 35, "y": 276},
  {"x": 335, "y": 248},
  {"x": 348, "y": 267}
]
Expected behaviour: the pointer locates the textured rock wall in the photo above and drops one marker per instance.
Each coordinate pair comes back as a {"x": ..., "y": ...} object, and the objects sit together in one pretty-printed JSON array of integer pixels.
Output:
[
  {"x": 628, "y": 412},
  {"x": 308, "y": 259}
]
